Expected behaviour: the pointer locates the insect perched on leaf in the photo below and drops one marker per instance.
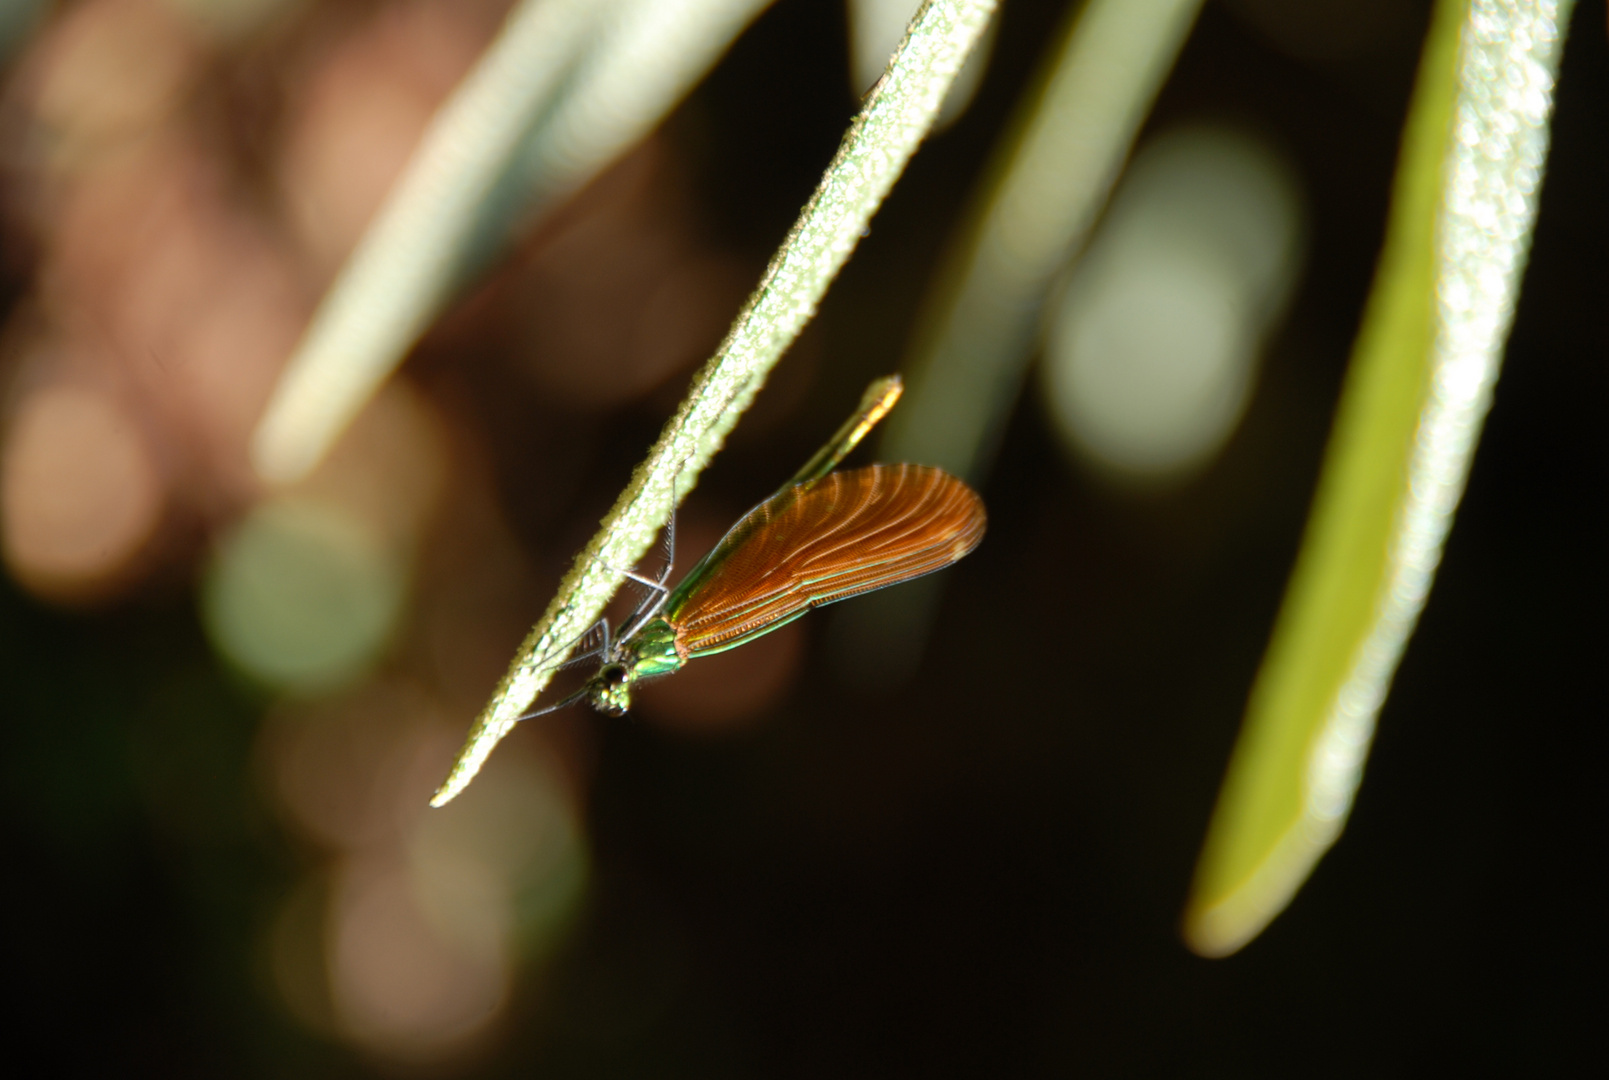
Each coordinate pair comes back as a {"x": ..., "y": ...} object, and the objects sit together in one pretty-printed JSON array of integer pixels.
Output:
[{"x": 822, "y": 537}]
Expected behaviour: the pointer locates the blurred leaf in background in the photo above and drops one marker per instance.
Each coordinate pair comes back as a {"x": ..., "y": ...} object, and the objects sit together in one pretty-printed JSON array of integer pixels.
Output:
[
  {"x": 1046, "y": 185},
  {"x": 1151, "y": 352}
]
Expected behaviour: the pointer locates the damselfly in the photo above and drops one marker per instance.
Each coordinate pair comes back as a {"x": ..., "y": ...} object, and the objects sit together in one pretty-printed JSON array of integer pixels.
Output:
[{"x": 822, "y": 537}]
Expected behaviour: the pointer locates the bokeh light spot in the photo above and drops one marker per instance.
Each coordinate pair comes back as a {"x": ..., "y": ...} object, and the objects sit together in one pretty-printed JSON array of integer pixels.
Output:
[
  {"x": 362, "y": 112},
  {"x": 348, "y": 770},
  {"x": 623, "y": 293},
  {"x": 110, "y": 68},
  {"x": 398, "y": 987},
  {"x": 411, "y": 953},
  {"x": 81, "y": 491},
  {"x": 1154, "y": 374},
  {"x": 1151, "y": 352},
  {"x": 302, "y": 595},
  {"x": 505, "y": 864}
]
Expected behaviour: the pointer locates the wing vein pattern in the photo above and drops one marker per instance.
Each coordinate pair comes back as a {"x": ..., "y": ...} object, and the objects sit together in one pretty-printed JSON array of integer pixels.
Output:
[{"x": 848, "y": 532}]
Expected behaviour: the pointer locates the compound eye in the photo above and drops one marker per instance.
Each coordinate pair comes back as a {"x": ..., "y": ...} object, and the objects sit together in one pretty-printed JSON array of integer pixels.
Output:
[{"x": 614, "y": 675}]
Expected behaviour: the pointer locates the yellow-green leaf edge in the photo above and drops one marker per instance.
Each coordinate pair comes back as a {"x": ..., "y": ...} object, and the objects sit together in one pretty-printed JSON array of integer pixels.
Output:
[{"x": 1261, "y": 845}]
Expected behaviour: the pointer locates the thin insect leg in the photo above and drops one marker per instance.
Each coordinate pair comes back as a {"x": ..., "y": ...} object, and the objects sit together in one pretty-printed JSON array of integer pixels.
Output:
[
  {"x": 646, "y": 610},
  {"x": 652, "y": 609},
  {"x": 580, "y": 639},
  {"x": 650, "y": 604},
  {"x": 579, "y": 695},
  {"x": 631, "y": 575},
  {"x": 606, "y": 647},
  {"x": 600, "y": 628},
  {"x": 661, "y": 592},
  {"x": 657, "y": 586}
]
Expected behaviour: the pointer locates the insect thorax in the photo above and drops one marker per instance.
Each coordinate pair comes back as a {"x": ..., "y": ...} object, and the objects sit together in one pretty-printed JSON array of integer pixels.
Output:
[{"x": 654, "y": 651}]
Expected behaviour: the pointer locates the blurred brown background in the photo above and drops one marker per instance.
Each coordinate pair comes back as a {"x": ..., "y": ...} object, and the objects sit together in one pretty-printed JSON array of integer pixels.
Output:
[{"x": 218, "y": 858}]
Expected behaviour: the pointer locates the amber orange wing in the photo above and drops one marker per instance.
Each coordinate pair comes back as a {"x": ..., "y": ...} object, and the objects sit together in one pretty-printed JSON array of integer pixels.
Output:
[{"x": 846, "y": 533}]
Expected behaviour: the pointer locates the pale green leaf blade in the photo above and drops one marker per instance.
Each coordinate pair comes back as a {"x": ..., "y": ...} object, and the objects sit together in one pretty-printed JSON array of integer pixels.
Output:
[
  {"x": 1417, "y": 392},
  {"x": 565, "y": 86}
]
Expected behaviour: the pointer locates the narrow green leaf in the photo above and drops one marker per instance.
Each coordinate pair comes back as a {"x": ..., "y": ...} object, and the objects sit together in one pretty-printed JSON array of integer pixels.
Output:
[
  {"x": 1422, "y": 370},
  {"x": 1047, "y": 182},
  {"x": 897, "y": 115}
]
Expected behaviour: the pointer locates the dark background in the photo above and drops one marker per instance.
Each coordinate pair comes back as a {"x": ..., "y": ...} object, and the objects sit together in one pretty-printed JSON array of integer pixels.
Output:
[{"x": 980, "y": 872}]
